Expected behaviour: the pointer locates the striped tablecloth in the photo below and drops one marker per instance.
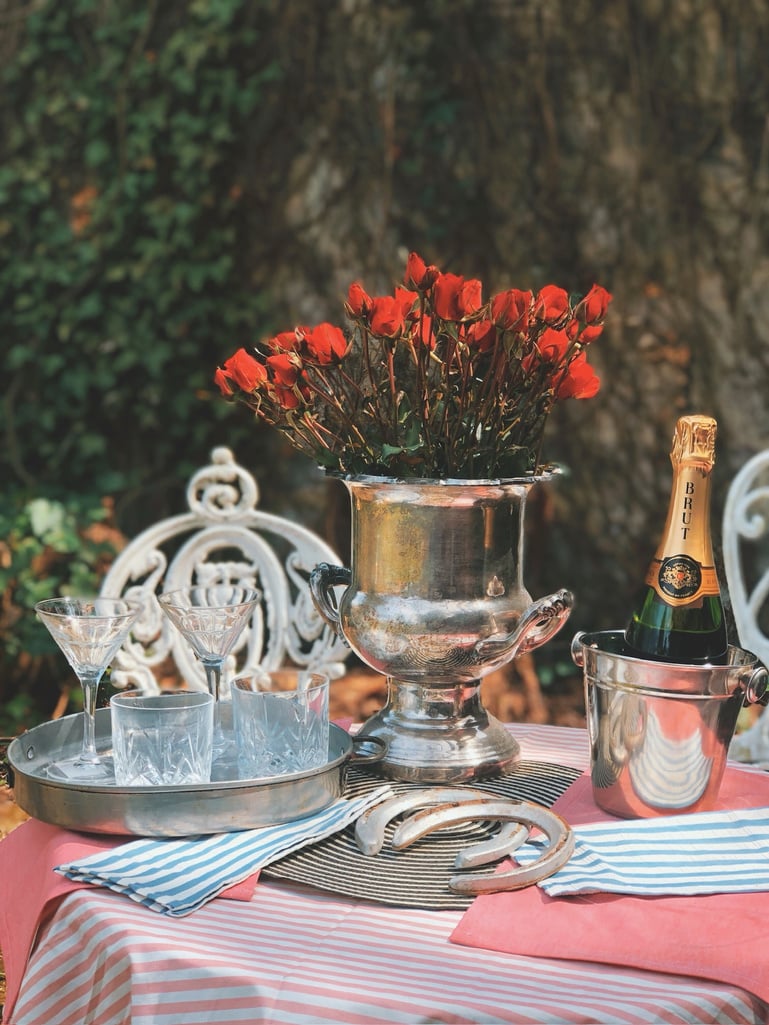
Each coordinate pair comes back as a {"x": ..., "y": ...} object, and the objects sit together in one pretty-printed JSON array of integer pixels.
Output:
[{"x": 297, "y": 955}]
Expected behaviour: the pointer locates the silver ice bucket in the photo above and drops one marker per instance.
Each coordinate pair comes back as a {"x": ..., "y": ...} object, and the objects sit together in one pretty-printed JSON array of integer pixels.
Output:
[{"x": 659, "y": 732}]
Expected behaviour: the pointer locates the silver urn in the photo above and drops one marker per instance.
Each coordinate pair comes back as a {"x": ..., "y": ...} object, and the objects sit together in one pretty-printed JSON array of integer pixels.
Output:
[{"x": 435, "y": 600}]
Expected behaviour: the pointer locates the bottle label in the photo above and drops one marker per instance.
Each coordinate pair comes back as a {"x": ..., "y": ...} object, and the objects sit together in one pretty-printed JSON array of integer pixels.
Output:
[{"x": 681, "y": 580}]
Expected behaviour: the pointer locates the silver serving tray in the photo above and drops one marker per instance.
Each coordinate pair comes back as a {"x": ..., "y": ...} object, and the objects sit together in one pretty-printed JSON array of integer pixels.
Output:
[{"x": 198, "y": 808}]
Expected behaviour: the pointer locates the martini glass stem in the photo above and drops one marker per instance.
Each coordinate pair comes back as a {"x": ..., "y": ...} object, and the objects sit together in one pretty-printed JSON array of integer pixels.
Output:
[
  {"x": 89, "y": 681},
  {"x": 213, "y": 682},
  {"x": 213, "y": 677}
]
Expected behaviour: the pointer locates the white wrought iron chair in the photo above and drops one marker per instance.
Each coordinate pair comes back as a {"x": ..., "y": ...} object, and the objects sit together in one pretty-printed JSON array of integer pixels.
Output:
[
  {"x": 746, "y": 567},
  {"x": 224, "y": 538}
]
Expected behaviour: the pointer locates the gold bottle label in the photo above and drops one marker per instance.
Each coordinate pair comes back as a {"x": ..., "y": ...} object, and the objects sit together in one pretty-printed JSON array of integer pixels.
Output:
[
  {"x": 681, "y": 580},
  {"x": 682, "y": 572}
]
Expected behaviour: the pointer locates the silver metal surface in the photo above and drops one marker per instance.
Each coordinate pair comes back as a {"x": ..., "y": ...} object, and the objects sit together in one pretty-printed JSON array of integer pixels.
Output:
[
  {"x": 371, "y": 825},
  {"x": 218, "y": 807},
  {"x": 438, "y": 808},
  {"x": 435, "y": 600},
  {"x": 659, "y": 732}
]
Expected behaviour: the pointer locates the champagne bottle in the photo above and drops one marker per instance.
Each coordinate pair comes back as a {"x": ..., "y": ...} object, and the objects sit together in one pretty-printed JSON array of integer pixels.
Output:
[{"x": 679, "y": 616}]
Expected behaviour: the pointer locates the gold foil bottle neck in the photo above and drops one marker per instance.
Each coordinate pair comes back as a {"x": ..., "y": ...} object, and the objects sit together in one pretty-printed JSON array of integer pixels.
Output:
[{"x": 694, "y": 441}]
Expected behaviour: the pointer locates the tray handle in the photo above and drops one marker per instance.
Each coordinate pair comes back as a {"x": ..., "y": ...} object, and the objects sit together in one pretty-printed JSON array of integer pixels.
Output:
[{"x": 360, "y": 756}]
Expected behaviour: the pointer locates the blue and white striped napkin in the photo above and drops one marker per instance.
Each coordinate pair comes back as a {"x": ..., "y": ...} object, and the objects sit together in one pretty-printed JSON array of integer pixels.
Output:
[
  {"x": 705, "y": 852},
  {"x": 175, "y": 877}
]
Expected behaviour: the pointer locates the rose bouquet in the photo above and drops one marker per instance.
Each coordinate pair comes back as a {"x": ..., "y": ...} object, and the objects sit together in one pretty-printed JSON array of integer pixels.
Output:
[{"x": 429, "y": 382}]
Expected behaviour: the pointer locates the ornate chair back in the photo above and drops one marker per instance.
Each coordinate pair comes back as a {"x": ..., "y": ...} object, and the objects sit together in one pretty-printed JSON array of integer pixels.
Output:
[
  {"x": 224, "y": 538},
  {"x": 746, "y": 567}
]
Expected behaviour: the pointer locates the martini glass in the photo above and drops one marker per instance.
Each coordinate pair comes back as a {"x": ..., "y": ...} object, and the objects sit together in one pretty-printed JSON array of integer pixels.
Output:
[
  {"x": 211, "y": 619},
  {"x": 89, "y": 632}
]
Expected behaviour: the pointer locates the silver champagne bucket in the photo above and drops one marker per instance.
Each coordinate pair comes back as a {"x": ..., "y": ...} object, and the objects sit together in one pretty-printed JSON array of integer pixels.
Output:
[
  {"x": 659, "y": 732},
  {"x": 435, "y": 600}
]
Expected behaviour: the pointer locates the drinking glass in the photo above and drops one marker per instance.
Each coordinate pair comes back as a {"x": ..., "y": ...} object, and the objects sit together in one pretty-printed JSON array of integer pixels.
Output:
[
  {"x": 281, "y": 722},
  {"x": 89, "y": 632},
  {"x": 162, "y": 739},
  {"x": 211, "y": 619}
]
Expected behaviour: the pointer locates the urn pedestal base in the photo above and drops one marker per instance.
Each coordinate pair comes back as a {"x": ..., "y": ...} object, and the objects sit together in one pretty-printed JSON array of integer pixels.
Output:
[{"x": 440, "y": 735}]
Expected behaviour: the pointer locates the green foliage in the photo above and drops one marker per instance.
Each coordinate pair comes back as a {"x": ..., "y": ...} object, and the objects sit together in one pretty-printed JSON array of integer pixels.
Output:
[
  {"x": 127, "y": 137},
  {"x": 47, "y": 548},
  {"x": 121, "y": 181}
]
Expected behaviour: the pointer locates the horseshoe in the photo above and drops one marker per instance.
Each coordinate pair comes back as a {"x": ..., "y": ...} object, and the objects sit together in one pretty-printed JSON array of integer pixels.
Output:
[
  {"x": 509, "y": 838},
  {"x": 555, "y": 855},
  {"x": 370, "y": 827}
]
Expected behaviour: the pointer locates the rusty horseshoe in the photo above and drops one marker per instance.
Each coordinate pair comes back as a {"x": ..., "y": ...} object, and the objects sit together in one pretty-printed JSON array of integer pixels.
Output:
[
  {"x": 370, "y": 827},
  {"x": 554, "y": 856}
]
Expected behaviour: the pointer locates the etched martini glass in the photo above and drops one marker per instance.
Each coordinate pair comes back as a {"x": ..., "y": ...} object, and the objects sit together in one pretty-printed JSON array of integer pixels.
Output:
[
  {"x": 89, "y": 632},
  {"x": 211, "y": 619}
]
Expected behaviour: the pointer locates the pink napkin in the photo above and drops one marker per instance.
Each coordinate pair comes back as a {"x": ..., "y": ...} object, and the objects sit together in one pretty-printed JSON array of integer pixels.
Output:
[
  {"x": 30, "y": 890},
  {"x": 722, "y": 937}
]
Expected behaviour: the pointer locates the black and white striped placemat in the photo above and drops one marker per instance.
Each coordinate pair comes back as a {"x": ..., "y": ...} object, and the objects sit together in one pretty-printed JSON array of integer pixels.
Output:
[{"x": 417, "y": 876}]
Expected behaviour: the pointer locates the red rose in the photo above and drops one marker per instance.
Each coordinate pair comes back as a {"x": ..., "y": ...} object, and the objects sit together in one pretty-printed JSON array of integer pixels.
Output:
[
  {"x": 287, "y": 397},
  {"x": 553, "y": 345},
  {"x": 285, "y": 373},
  {"x": 325, "y": 343},
  {"x": 222, "y": 380},
  {"x": 418, "y": 273},
  {"x": 407, "y": 298},
  {"x": 455, "y": 298},
  {"x": 422, "y": 332},
  {"x": 283, "y": 370},
  {"x": 551, "y": 304},
  {"x": 593, "y": 307},
  {"x": 581, "y": 381},
  {"x": 358, "y": 300},
  {"x": 589, "y": 333},
  {"x": 387, "y": 316},
  {"x": 550, "y": 349},
  {"x": 510, "y": 309},
  {"x": 481, "y": 335},
  {"x": 286, "y": 341},
  {"x": 246, "y": 371}
]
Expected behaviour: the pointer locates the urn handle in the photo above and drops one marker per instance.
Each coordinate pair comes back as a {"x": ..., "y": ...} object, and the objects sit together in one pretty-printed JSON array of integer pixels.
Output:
[
  {"x": 543, "y": 620},
  {"x": 323, "y": 579}
]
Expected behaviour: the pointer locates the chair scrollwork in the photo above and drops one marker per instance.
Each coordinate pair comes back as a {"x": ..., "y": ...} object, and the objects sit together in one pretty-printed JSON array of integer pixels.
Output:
[
  {"x": 224, "y": 537},
  {"x": 746, "y": 567}
]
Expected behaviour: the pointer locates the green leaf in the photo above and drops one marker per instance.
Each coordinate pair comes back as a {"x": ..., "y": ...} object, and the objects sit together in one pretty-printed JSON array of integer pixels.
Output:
[
  {"x": 45, "y": 516},
  {"x": 97, "y": 152}
]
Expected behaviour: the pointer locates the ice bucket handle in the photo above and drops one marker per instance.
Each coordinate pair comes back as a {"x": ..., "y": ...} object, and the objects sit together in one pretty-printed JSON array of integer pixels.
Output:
[
  {"x": 577, "y": 653},
  {"x": 757, "y": 687},
  {"x": 323, "y": 579}
]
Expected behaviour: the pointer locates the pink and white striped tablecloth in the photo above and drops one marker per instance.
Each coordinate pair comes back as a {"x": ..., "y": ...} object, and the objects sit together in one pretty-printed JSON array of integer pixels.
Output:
[{"x": 295, "y": 955}]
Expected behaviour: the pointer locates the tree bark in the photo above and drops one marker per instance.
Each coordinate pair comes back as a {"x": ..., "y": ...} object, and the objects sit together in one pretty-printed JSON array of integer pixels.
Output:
[{"x": 564, "y": 141}]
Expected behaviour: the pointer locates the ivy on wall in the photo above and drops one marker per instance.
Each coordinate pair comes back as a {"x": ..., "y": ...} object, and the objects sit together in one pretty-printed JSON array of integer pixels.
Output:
[
  {"x": 121, "y": 183},
  {"x": 120, "y": 189}
]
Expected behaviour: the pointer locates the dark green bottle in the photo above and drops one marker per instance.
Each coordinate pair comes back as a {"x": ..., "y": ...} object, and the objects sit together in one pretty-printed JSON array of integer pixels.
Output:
[{"x": 679, "y": 616}]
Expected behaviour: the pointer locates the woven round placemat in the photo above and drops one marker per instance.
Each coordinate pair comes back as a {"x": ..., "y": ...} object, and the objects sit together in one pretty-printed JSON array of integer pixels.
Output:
[{"x": 418, "y": 876}]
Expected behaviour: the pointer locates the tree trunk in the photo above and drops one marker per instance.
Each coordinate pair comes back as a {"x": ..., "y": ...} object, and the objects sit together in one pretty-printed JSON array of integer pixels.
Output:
[{"x": 565, "y": 141}]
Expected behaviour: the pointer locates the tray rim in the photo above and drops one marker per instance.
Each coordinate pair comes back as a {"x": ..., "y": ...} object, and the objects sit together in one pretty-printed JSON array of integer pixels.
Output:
[{"x": 337, "y": 735}]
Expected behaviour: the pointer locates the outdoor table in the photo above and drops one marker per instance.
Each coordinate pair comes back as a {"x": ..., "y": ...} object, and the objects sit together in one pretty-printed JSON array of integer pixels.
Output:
[{"x": 296, "y": 954}]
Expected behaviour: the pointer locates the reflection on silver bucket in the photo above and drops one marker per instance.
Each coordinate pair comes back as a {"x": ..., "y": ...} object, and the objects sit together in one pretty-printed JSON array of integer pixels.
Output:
[{"x": 659, "y": 732}]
